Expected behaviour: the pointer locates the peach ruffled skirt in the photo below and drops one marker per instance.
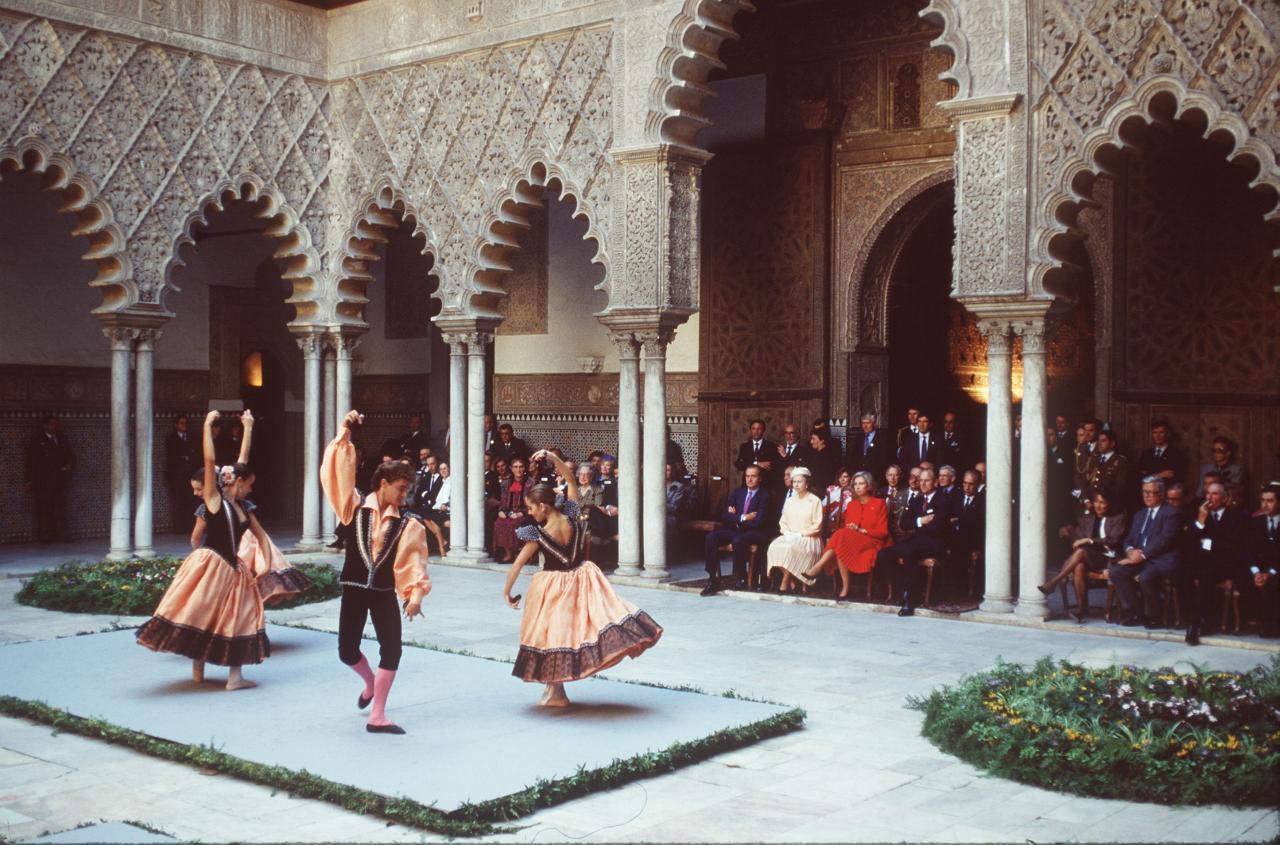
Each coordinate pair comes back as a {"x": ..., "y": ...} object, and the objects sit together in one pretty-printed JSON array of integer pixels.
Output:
[
  {"x": 211, "y": 612},
  {"x": 279, "y": 580},
  {"x": 575, "y": 625}
]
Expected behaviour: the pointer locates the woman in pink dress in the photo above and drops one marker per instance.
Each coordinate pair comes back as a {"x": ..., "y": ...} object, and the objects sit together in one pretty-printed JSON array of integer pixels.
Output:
[{"x": 865, "y": 531}]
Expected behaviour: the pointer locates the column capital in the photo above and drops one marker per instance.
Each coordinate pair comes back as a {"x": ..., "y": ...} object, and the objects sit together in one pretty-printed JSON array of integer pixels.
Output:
[
  {"x": 148, "y": 337},
  {"x": 996, "y": 331},
  {"x": 342, "y": 343},
  {"x": 309, "y": 344},
  {"x": 627, "y": 345},
  {"x": 654, "y": 341},
  {"x": 1032, "y": 333},
  {"x": 121, "y": 337},
  {"x": 477, "y": 341},
  {"x": 457, "y": 342}
]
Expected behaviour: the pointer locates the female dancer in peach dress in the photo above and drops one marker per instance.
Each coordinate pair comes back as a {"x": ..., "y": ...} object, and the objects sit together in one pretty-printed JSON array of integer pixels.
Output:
[
  {"x": 854, "y": 545},
  {"x": 574, "y": 625},
  {"x": 212, "y": 612}
]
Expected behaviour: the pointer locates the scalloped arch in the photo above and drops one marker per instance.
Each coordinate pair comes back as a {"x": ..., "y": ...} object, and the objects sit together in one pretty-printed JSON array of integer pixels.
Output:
[
  {"x": 691, "y": 53},
  {"x": 379, "y": 211},
  {"x": 282, "y": 224},
  {"x": 914, "y": 201},
  {"x": 945, "y": 14},
  {"x": 507, "y": 219},
  {"x": 94, "y": 218},
  {"x": 1072, "y": 188}
]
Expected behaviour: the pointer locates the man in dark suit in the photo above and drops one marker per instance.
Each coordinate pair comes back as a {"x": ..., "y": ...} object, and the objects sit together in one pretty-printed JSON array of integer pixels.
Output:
[
  {"x": 1259, "y": 578},
  {"x": 1162, "y": 458},
  {"x": 742, "y": 522},
  {"x": 490, "y": 436},
  {"x": 921, "y": 446},
  {"x": 417, "y": 437},
  {"x": 181, "y": 459},
  {"x": 1219, "y": 547},
  {"x": 869, "y": 449},
  {"x": 757, "y": 452},
  {"x": 906, "y": 431},
  {"x": 508, "y": 445},
  {"x": 971, "y": 521},
  {"x": 929, "y": 516},
  {"x": 1061, "y": 505},
  {"x": 952, "y": 452},
  {"x": 49, "y": 463},
  {"x": 1151, "y": 551}
]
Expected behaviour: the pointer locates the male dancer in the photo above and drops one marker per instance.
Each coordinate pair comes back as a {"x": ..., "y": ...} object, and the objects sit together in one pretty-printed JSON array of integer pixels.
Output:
[{"x": 386, "y": 558}]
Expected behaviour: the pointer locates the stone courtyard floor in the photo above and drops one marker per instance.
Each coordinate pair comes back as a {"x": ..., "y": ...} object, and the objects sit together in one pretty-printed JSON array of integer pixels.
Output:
[{"x": 858, "y": 771}]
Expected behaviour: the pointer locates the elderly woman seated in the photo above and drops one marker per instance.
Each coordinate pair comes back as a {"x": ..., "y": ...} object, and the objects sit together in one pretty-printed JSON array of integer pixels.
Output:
[
  {"x": 1094, "y": 542},
  {"x": 800, "y": 527},
  {"x": 864, "y": 532}
]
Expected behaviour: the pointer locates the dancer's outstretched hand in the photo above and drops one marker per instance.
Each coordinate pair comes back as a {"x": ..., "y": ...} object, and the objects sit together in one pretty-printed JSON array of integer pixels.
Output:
[
  {"x": 353, "y": 418},
  {"x": 246, "y": 418},
  {"x": 413, "y": 607}
]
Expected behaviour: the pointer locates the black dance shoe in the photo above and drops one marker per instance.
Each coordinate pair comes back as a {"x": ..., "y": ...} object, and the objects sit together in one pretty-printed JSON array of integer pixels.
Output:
[
  {"x": 1131, "y": 622},
  {"x": 363, "y": 702},
  {"x": 384, "y": 729},
  {"x": 907, "y": 610},
  {"x": 711, "y": 589},
  {"x": 1193, "y": 635}
]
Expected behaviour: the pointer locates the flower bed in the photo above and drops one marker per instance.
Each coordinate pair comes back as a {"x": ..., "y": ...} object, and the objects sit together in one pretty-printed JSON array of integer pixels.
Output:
[
  {"x": 134, "y": 587},
  {"x": 1121, "y": 732}
]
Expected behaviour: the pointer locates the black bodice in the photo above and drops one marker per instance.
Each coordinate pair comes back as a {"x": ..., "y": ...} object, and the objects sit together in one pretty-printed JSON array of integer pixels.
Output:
[{"x": 223, "y": 531}]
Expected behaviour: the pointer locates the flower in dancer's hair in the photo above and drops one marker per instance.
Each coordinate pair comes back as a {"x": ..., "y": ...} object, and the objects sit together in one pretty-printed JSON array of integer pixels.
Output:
[{"x": 226, "y": 475}]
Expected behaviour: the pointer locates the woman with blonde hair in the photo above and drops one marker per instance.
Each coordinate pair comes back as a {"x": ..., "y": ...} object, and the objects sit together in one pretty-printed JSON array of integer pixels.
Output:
[
  {"x": 800, "y": 543},
  {"x": 864, "y": 532}
]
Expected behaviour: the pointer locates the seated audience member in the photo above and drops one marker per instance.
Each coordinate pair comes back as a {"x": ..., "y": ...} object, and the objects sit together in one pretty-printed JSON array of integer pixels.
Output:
[
  {"x": 1215, "y": 555},
  {"x": 594, "y": 457},
  {"x": 758, "y": 451},
  {"x": 981, "y": 469},
  {"x": 922, "y": 446},
  {"x": 1259, "y": 578},
  {"x": 869, "y": 449},
  {"x": 608, "y": 484},
  {"x": 822, "y": 428},
  {"x": 1162, "y": 458},
  {"x": 1151, "y": 551},
  {"x": 1176, "y": 495},
  {"x": 835, "y": 497},
  {"x": 1108, "y": 470},
  {"x": 675, "y": 452},
  {"x": 679, "y": 496},
  {"x": 971, "y": 524},
  {"x": 1229, "y": 472},
  {"x": 590, "y": 501},
  {"x": 442, "y": 504},
  {"x": 929, "y": 517},
  {"x": 800, "y": 529},
  {"x": 864, "y": 531},
  {"x": 892, "y": 483},
  {"x": 947, "y": 485},
  {"x": 511, "y": 513},
  {"x": 743, "y": 522},
  {"x": 1095, "y": 542}
]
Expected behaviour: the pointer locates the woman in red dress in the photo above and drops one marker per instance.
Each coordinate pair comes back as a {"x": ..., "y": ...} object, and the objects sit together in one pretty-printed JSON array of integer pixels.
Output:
[{"x": 865, "y": 532}]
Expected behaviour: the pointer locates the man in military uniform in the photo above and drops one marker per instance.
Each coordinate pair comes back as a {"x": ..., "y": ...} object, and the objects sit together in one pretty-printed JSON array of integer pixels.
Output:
[{"x": 1107, "y": 470}]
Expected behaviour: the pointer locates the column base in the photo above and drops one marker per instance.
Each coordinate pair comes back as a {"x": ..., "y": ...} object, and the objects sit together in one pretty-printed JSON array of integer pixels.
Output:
[
  {"x": 309, "y": 544},
  {"x": 144, "y": 554},
  {"x": 628, "y": 570},
  {"x": 120, "y": 554},
  {"x": 655, "y": 573},
  {"x": 1032, "y": 608},
  {"x": 996, "y": 604}
]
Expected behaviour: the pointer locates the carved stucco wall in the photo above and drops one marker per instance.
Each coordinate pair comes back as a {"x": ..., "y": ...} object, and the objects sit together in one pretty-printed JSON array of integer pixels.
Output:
[{"x": 1100, "y": 62}]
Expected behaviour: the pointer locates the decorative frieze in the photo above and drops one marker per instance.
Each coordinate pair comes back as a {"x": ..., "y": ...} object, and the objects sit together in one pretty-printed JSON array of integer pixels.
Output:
[{"x": 582, "y": 393}]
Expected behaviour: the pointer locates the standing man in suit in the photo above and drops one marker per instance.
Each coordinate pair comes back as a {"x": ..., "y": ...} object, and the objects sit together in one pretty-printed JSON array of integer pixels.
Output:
[
  {"x": 790, "y": 450},
  {"x": 490, "y": 436},
  {"x": 921, "y": 446},
  {"x": 1151, "y": 551},
  {"x": 1259, "y": 578},
  {"x": 971, "y": 521},
  {"x": 929, "y": 516},
  {"x": 952, "y": 451},
  {"x": 417, "y": 438},
  {"x": 913, "y": 415},
  {"x": 509, "y": 446},
  {"x": 742, "y": 523},
  {"x": 1161, "y": 457},
  {"x": 1219, "y": 536},
  {"x": 869, "y": 449},
  {"x": 757, "y": 452},
  {"x": 49, "y": 464},
  {"x": 181, "y": 458}
]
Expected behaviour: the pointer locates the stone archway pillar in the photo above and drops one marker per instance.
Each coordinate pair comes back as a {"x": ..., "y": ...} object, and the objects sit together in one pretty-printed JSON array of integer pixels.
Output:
[
  {"x": 478, "y": 343},
  {"x": 311, "y": 444},
  {"x": 998, "y": 553},
  {"x": 654, "y": 506},
  {"x": 459, "y": 522},
  {"x": 121, "y": 340},
  {"x": 344, "y": 345},
  {"x": 144, "y": 436},
  {"x": 1033, "y": 490},
  {"x": 629, "y": 542},
  {"x": 328, "y": 419}
]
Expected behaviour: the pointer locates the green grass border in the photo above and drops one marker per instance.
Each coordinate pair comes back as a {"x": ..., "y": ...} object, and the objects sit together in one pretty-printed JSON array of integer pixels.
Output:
[{"x": 468, "y": 820}]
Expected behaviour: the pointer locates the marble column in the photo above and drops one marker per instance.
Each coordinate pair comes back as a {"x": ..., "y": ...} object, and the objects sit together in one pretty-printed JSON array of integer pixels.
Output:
[
  {"x": 329, "y": 419},
  {"x": 477, "y": 345},
  {"x": 311, "y": 446},
  {"x": 998, "y": 596},
  {"x": 121, "y": 458},
  {"x": 1033, "y": 488},
  {"x": 143, "y": 436},
  {"x": 459, "y": 502},
  {"x": 629, "y": 548},
  {"x": 343, "y": 346},
  {"x": 654, "y": 507}
]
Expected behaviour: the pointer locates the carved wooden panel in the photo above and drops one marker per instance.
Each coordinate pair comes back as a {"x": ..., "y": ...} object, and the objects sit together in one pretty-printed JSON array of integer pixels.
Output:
[
  {"x": 582, "y": 393},
  {"x": 389, "y": 394},
  {"x": 56, "y": 389}
]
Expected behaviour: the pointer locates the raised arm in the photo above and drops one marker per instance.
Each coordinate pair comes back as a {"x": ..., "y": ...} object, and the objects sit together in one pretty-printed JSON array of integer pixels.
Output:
[
  {"x": 212, "y": 498},
  {"x": 338, "y": 471},
  {"x": 571, "y": 483},
  {"x": 246, "y": 420}
]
